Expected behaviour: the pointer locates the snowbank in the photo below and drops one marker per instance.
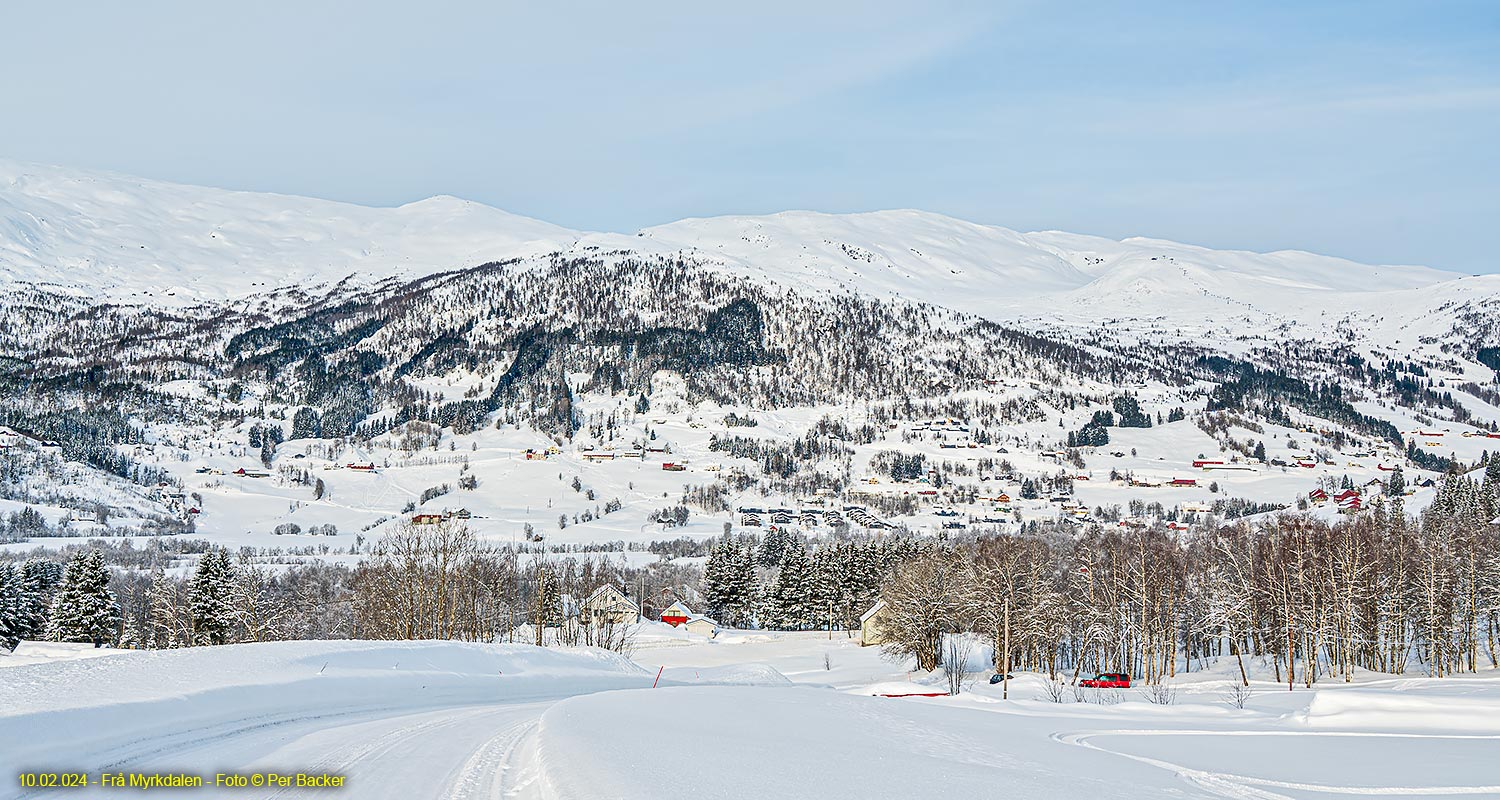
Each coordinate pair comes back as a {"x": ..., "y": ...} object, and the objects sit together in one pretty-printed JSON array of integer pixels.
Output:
[
  {"x": 28, "y": 653},
  {"x": 732, "y": 675},
  {"x": 1385, "y": 710}
]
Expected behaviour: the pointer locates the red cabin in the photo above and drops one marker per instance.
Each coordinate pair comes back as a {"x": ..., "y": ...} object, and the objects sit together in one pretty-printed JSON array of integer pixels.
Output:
[{"x": 676, "y": 614}]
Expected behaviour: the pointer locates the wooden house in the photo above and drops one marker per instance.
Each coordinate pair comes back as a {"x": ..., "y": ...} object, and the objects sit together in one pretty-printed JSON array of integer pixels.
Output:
[
  {"x": 676, "y": 614},
  {"x": 608, "y": 604},
  {"x": 872, "y": 624},
  {"x": 701, "y": 625}
]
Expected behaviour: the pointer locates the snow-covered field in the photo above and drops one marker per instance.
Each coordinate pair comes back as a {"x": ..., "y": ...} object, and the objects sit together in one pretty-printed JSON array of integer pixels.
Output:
[{"x": 743, "y": 715}]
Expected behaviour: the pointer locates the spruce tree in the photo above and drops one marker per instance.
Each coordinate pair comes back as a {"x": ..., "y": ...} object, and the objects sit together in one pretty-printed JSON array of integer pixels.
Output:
[
  {"x": 773, "y": 546},
  {"x": 1396, "y": 486},
  {"x": 38, "y": 579},
  {"x": 786, "y": 602},
  {"x": 84, "y": 609},
  {"x": 747, "y": 586},
  {"x": 723, "y": 582},
  {"x": 211, "y": 590},
  {"x": 824, "y": 585},
  {"x": 548, "y": 610},
  {"x": 10, "y": 606}
]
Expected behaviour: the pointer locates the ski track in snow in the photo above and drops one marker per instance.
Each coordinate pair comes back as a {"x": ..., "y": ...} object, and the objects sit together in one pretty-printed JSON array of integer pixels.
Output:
[{"x": 454, "y": 752}]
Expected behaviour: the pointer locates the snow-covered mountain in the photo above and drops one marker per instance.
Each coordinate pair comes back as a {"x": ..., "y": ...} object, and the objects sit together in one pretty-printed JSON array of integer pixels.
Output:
[
  {"x": 133, "y": 239},
  {"x": 143, "y": 241},
  {"x": 1000, "y": 273}
]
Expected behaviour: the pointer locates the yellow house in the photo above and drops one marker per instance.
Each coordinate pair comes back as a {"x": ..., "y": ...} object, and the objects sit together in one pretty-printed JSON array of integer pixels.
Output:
[{"x": 871, "y": 625}]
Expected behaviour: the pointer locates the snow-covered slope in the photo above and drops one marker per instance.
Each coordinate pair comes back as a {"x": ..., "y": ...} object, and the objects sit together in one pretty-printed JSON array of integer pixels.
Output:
[
  {"x": 997, "y": 272},
  {"x": 911, "y": 254},
  {"x": 143, "y": 241},
  {"x": 149, "y": 241}
]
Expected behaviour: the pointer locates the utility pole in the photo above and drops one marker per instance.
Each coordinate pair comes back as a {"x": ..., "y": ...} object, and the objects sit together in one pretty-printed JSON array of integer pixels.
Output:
[{"x": 830, "y": 620}]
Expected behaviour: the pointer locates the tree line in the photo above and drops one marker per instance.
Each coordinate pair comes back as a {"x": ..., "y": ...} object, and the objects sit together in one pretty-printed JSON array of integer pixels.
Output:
[{"x": 1382, "y": 591}]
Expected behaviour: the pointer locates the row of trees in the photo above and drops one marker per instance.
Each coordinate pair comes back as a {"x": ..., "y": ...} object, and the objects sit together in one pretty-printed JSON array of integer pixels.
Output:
[
  {"x": 419, "y": 582},
  {"x": 40, "y": 599},
  {"x": 1381, "y": 591},
  {"x": 779, "y": 582}
]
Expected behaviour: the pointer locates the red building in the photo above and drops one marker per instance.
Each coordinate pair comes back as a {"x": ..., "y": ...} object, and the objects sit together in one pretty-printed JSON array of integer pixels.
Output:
[{"x": 676, "y": 614}]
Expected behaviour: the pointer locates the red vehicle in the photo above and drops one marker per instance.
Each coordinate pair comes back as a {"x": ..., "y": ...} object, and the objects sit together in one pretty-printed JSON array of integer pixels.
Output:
[{"x": 1107, "y": 680}]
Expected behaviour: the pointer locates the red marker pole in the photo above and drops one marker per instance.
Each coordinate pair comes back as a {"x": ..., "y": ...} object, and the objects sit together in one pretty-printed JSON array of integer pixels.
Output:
[{"x": 658, "y": 676}]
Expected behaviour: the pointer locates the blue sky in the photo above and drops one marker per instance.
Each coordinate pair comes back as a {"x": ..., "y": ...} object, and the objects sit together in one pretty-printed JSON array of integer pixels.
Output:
[{"x": 1361, "y": 129}]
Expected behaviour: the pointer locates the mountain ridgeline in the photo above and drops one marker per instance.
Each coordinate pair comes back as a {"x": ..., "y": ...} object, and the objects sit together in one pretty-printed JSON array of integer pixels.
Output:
[
  {"x": 131, "y": 302},
  {"x": 526, "y": 338}
]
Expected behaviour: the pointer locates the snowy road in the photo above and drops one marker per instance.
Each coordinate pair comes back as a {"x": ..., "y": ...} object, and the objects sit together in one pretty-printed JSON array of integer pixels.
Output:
[
  {"x": 456, "y": 752},
  {"x": 395, "y": 719}
]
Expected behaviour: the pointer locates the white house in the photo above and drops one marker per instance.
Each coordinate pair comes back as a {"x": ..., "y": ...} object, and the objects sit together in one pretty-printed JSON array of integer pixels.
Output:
[
  {"x": 608, "y": 604},
  {"x": 871, "y": 624},
  {"x": 701, "y": 625}
]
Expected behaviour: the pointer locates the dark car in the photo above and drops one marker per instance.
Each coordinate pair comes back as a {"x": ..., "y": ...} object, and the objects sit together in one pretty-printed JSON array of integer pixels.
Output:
[
  {"x": 1107, "y": 680},
  {"x": 997, "y": 678}
]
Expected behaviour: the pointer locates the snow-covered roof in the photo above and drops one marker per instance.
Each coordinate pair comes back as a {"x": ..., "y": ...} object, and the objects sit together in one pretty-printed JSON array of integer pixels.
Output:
[{"x": 865, "y": 617}]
